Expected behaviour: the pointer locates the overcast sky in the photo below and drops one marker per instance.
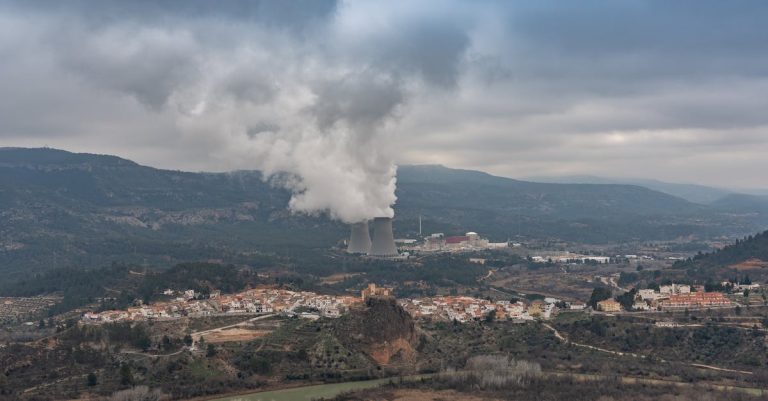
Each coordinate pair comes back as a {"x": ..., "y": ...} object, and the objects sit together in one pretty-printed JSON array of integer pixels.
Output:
[{"x": 672, "y": 90}]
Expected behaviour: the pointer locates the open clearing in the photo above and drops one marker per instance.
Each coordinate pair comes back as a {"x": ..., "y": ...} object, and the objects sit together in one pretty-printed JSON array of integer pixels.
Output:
[
  {"x": 235, "y": 334},
  {"x": 750, "y": 264},
  {"x": 337, "y": 278}
]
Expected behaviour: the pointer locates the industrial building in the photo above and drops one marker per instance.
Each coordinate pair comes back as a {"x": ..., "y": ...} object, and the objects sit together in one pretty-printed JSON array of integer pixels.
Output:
[{"x": 469, "y": 242}]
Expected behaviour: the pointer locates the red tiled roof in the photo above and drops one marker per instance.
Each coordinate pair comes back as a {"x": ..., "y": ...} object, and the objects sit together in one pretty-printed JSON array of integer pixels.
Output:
[{"x": 456, "y": 240}]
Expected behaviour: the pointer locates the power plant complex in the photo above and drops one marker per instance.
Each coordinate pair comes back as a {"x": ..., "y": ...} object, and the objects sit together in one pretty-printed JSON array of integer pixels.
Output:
[{"x": 383, "y": 243}]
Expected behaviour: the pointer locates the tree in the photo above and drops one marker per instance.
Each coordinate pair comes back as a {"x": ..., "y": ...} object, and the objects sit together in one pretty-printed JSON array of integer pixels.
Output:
[
  {"x": 599, "y": 294},
  {"x": 490, "y": 317},
  {"x": 144, "y": 343},
  {"x": 711, "y": 286},
  {"x": 166, "y": 343},
  {"x": 126, "y": 376},
  {"x": 211, "y": 351},
  {"x": 627, "y": 299},
  {"x": 188, "y": 340},
  {"x": 92, "y": 379}
]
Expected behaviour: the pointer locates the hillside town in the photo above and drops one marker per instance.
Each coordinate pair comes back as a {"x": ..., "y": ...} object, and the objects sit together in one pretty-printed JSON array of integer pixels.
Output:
[
  {"x": 254, "y": 301},
  {"x": 312, "y": 305},
  {"x": 439, "y": 308}
]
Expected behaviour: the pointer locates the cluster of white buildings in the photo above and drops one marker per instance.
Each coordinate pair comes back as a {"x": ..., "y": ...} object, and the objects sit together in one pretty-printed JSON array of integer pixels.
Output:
[
  {"x": 255, "y": 301},
  {"x": 312, "y": 305},
  {"x": 736, "y": 287},
  {"x": 679, "y": 296},
  {"x": 471, "y": 241},
  {"x": 463, "y": 309},
  {"x": 569, "y": 257}
]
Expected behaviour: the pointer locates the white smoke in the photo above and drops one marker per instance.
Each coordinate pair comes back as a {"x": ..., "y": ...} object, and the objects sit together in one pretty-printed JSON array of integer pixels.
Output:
[
  {"x": 306, "y": 100},
  {"x": 320, "y": 137}
]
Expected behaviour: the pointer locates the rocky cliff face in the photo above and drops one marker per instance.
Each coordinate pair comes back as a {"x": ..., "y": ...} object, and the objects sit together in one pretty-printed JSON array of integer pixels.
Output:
[{"x": 381, "y": 329}]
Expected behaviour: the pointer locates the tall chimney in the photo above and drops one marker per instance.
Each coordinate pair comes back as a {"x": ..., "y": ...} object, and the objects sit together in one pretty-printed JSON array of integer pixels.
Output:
[
  {"x": 383, "y": 239},
  {"x": 359, "y": 238}
]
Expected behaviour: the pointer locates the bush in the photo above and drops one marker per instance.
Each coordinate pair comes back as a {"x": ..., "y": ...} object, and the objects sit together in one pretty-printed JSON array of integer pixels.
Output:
[
  {"x": 491, "y": 372},
  {"x": 138, "y": 393}
]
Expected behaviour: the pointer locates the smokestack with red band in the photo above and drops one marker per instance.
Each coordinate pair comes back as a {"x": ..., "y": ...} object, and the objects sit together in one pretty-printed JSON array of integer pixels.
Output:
[
  {"x": 383, "y": 239},
  {"x": 359, "y": 238}
]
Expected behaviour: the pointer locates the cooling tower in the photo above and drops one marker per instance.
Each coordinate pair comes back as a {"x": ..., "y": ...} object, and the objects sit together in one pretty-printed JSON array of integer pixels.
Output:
[
  {"x": 383, "y": 240},
  {"x": 359, "y": 238}
]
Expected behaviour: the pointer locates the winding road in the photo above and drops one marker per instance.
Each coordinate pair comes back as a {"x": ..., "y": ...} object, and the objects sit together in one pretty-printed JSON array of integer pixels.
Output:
[{"x": 564, "y": 339}]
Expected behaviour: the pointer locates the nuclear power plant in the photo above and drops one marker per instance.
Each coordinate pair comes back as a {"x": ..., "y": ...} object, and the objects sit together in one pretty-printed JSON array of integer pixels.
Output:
[
  {"x": 383, "y": 243},
  {"x": 359, "y": 238}
]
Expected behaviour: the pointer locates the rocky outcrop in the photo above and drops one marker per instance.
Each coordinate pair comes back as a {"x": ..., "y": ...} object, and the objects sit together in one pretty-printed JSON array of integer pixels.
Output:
[{"x": 382, "y": 329}]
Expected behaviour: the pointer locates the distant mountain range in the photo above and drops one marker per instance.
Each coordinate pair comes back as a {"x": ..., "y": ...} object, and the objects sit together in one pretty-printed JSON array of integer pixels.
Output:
[
  {"x": 59, "y": 209},
  {"x": 691, "y": 192}
]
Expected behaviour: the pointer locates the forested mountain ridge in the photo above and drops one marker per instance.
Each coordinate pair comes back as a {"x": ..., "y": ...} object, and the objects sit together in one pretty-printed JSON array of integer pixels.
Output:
[
  {"x": 59, "y": 209},
  {"x": 477, "y": 189},
  {"x": 597, "y": 213},
  {"x": 745, "y": 257}
]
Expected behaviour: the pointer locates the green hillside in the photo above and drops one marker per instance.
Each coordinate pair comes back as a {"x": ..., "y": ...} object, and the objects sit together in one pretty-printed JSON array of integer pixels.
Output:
[
  {"x": 60, "y": 209},
  {"x": 745, "y": 258},
  {"x": 502, "y": 208}
]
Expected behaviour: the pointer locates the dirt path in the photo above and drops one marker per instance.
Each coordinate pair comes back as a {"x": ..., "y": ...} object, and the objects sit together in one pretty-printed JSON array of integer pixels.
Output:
[
  {"x": 487, "y": 276},
  {"x": 63, "y": 379},
  {"x": 196, "y": 336},
  {"x": 144, "y": 354},
  {"x": 564, "y": 339}
]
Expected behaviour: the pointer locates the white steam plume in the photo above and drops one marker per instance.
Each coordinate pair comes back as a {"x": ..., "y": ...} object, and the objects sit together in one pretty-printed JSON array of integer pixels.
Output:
[{"x": 303, "y": 96}]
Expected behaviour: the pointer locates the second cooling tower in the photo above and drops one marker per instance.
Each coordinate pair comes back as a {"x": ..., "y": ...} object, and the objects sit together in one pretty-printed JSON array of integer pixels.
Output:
[
  {"x": 359, "y": 238},
  {"x": 383, "y": 243}
]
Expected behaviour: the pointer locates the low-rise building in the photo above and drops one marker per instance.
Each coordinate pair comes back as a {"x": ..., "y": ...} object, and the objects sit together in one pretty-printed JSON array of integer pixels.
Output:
[
  {"x": 648, "y": 294},
  {"x": 675, "y": 289},
  {"x": 373, "y": 291},
  {"x": 695, "y": 300},
  {"x": 609, "y": 305}
]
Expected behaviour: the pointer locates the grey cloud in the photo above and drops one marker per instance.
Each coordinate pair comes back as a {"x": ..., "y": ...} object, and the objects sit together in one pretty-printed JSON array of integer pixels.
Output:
[
  {"x": 432, "y": 49},
  {"x": 362, "y": 100},
  {"x": 261, "y": 128},
  {"x": 517, "y": 88},
  {"x": 293, "y": 14}
]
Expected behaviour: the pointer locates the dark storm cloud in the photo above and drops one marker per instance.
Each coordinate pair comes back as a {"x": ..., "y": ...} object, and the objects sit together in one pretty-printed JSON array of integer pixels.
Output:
[{"x": 519, "y": 88}]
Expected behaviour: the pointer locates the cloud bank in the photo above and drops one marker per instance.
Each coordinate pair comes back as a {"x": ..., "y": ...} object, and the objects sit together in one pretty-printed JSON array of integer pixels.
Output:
[{"x": 337, "y": 93}]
